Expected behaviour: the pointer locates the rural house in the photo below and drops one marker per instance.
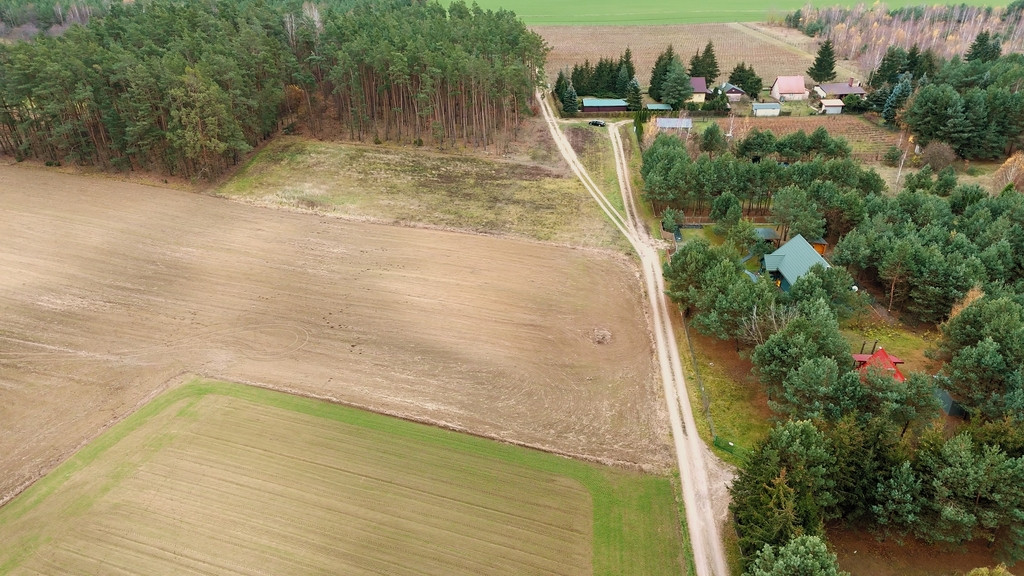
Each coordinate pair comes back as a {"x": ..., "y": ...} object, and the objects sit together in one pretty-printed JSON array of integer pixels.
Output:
[
  {"x": 700, "y": 90},
  {"x": 880, "y": 360},
  {"x": 733, "y": 92},
  {"x": 839, "y": 89},
  {"x": 789, "y": 88},
  {"x": 831, "y": 106},
  {"x": 766, "y": 108},
  {"x": 603, "y": 105},
  {"x": 792, "y": 261}
]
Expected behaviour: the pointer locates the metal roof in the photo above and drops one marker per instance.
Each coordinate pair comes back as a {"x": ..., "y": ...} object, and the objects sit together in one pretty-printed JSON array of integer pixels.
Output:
[
  {"x": 674, "y": 122},
  {"x": 699, "y": 85},
  {"x": 766, "y": 233},
  {"x": 603, "y": 102},
  {"x": 658, "y": 106},
  {"x": 794, "y": 259},
  {"x": 830, "y": 102},
  {"x": 790, "y": 85},
  {"x": 727, "y": 87},
  {"x": 766, "y": 105}
]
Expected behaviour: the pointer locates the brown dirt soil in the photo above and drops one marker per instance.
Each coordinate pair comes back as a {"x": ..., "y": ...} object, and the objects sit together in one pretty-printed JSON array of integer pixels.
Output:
[
  {"x": 734, "y": 43},
  {"x": 861, "y": 554},
  {"x": 111, "y": 290}
]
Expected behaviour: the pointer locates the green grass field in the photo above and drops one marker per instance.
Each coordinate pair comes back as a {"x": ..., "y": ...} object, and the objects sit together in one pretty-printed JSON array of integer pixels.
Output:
[
  {"x": 228, "y": 479},
  {"x": 613, "y": 13}
]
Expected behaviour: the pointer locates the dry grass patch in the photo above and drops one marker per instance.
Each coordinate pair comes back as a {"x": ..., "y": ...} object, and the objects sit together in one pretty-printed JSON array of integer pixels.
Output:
[
  {"x": 229, "y": 479},
  {"x": 423, "y": 187}
]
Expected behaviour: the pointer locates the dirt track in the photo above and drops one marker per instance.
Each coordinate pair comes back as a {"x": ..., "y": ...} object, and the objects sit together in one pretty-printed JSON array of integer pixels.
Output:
[{"x": 109, "y": 291}]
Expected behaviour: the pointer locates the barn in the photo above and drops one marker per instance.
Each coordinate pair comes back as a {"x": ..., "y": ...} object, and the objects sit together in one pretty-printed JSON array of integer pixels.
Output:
[
  {"x": 790, "y": 88},
  {"x": 604, "y": 105},
  {"x": 766, "y": 108}
]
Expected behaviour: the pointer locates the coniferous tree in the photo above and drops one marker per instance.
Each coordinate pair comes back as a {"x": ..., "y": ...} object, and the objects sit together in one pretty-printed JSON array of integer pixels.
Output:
[
  {"x": 570, "y": 104},
  {"x": 659, "y": 72},
  {"x": 985, "y": 48},
  {"x": 824, "y": 67},
  {"x": 561, "y": 83},
  {"x": 676, "y": 89},
  {"x": 627, "y": 60},
  {"x": 704, "y": 64},
  {"x": 745, "y": 77},
  {"x": 634, "y": 99}
]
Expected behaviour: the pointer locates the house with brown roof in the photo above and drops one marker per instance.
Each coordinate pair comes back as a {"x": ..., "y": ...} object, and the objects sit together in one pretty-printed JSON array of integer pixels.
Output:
[
  {"x": 789, "y": 88},
  {"x": 700, "y": 89},
  {"x": 839, "y": 90}
]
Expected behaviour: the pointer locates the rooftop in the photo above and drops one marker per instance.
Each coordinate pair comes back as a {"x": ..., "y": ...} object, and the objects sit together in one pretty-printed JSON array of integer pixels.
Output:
[
  {"x": 674, "y": 122},
  {"x": 794, "y": 259},
  {"x": 658, "y": 106},
  {"x": 603, "y": 102}
]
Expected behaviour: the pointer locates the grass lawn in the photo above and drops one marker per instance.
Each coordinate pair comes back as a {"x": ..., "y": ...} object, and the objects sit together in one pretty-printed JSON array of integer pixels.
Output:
[
  {"x": 229, "y": 479},
  {"x": 608, "y": 12},
  {"x": 417, "y": 186}
]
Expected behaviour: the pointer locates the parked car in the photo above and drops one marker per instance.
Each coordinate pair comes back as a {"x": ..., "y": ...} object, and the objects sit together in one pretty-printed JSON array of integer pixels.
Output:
[{"x": 597, "y": 122}]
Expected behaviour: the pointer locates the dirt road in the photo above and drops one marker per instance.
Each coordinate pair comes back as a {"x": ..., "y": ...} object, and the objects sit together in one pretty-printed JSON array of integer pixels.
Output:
[{"x": 708, "y": 552}]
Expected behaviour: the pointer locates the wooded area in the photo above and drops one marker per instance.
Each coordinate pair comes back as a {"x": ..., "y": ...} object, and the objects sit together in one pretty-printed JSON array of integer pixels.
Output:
[{"x": 185, "y": 87}]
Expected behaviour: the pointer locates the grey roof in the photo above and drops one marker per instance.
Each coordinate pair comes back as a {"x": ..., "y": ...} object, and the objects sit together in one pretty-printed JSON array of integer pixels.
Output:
[
  {"x": 841, "y": 89},
  {"x": 603, "y": 102},
  {"x": 766, "y": 233},
  {"x": 766, "y": 105},
  {"x": 674, "y": 122},
  {"x": 658, "y": 106},
  {"x": 793, "y": 259},
  {"x": 726, "y": 87}
]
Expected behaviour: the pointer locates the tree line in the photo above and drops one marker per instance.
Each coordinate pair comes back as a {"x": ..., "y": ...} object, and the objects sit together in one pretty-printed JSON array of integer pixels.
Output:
[{"x": 185, "y": 86}]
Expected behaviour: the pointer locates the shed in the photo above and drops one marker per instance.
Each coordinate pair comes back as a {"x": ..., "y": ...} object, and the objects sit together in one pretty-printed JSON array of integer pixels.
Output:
[
  {"x": 789, "y": 88},
  {"x": 881, "y": 360},
  {"x": 674, "y": 123},
  {"x": 831, "y": 106},
  {"x": 839, "y": 89},
  {"x": 819, "y": 245},
  {"x": 791, "y": 261},
  {"x": 700, "y": 89},
  {"x": 949, "y": 406},
  {"x": 732, "y": 92},
  {"x": 768, "y": 235},
  {"x": 659, "y": 107},
  {"x": 766, "y": 108},
  {"x": 604, "y": 105}
]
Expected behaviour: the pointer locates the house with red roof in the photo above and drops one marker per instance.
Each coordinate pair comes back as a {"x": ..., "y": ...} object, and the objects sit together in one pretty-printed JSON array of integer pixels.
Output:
[
  {"x": 880, "y": 360},
  {"x": 790, "y": 88}
]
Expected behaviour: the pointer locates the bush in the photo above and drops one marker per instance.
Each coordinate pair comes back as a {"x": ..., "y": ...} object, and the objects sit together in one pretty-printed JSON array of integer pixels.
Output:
[
  {"x": 892, "y": 156},
  {"x": 938, "y": 155}
]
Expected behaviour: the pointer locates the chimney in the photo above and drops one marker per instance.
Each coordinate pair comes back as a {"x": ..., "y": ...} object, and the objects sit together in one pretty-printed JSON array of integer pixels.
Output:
[{"x": 851, "y": 81}]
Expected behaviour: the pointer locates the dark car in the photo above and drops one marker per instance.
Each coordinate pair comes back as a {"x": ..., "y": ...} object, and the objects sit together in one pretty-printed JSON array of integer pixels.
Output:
[{"x": 597, "y": 122}]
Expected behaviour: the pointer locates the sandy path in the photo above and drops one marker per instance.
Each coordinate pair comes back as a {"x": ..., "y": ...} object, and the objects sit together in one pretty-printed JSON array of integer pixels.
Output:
[
  {"x": 708, "y": 552},
  {"x": 111, "y": 290}
]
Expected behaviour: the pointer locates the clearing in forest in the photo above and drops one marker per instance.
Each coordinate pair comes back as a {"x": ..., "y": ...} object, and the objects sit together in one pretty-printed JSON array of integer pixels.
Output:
[
  {"x": 228, "y": 479},
  {"x": 423, "y": 187}
]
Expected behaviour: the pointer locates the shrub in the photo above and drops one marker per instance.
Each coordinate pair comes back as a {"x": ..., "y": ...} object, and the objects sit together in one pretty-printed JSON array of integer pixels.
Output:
[
  {"x": 938, "y": 155},
  {"x": 892, "y": 156}
]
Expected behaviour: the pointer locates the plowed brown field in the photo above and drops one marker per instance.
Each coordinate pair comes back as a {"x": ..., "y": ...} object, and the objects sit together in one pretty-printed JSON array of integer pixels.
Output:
[{"x": 111, "y": 290}]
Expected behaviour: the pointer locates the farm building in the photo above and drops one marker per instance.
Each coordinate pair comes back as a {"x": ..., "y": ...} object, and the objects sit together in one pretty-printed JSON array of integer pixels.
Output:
[
  {"x": 880, "y": 360},
  {"x": 831, "y": 106},
  {"x": 766, "y": 108},
  {"x": 792, "y": 261},
  {"x": 674, "y": 123},
  {"x": 658, "y": 107},
  {"x": 700, "y": 90},
  {"x": 789, "y": 88},
  {"x": 733, "y": 92},
  {"x": 604, "y": 105},
  {"x": 839, "y": 89}
]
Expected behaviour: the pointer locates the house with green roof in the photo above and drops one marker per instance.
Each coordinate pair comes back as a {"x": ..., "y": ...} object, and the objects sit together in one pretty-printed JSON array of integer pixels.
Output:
[{"x": 792, "y": 261}]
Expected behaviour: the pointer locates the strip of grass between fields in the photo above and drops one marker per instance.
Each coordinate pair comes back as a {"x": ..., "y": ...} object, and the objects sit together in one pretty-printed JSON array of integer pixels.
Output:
[{"x": 636, "y": 526}]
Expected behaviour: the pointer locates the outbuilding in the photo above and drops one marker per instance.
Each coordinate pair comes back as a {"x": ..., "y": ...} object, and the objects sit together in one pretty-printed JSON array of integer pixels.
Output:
[
  {"x": 733, "y": 92},
  {"x": 674, "y": 123},
  {"x": 658, "y": 107},
  {"x": 790, "y": 88},
  {"x": 831, "y": 106},
  {"x": 604, "y": 105},
  {"x": 766, "y": 108}
]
